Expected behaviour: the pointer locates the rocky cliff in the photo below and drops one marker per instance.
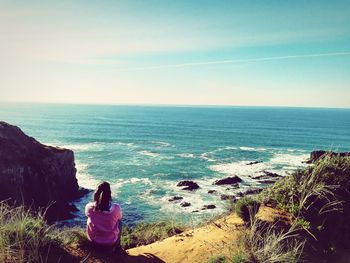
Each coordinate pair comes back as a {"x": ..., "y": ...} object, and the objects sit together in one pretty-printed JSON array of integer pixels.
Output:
[
  {"x": 35, "y": 174},
  {"x": 315, "y": 155}
]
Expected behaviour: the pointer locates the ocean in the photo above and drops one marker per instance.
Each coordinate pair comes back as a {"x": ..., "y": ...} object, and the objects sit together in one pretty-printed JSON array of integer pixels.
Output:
[{"x": 144, "y": 151}]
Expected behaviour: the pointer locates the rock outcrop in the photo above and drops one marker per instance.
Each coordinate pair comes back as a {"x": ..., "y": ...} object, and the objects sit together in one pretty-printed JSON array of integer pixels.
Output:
[
  {"x": 205, "y": 207},
  {"x": 188, "y": 185},
  {"x": 37, "y": 175},
  {"x": 254, "y": 162},
  {"x": 185, "y": 204},
  {"x": 315, "y": 155},
  {"x": 175, "y": 198},
  {"x": 228, "y": 180}
]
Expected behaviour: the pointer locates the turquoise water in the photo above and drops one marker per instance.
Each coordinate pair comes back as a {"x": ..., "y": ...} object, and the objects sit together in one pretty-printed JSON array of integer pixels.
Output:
[{"x": 143, "y": 151}]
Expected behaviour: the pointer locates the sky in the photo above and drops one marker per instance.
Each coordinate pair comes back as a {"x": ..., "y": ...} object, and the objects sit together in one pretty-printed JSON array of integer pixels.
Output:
[{"x": 184, "y": 52}]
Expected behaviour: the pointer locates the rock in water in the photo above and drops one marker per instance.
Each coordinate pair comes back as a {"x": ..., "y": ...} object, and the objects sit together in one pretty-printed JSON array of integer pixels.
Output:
[
  {"x": 228, "y": 180},
  {"x": 175, "y": 198},
  {"x": 254, "y": 162},
  {"x": 185, "y": 204},
  {"x": 189, "y": 185},
  {"x": 205, "y": 207},
  {"x": 35, "y": 174}
]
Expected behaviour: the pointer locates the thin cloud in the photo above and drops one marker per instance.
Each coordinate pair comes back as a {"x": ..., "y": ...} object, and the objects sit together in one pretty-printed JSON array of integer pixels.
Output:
[{"x": 231, "y": 61}]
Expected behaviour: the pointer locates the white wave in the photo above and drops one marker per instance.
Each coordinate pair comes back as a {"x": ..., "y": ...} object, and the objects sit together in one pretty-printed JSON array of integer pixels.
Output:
[
  {"x": 291, "y": 160},
  {"x": 207, "y": 156},
  {"x": 84, "y": 178},
  {"x": 239, "y": 168},
  {"x": 77, "y": 147},
  {"x": 139, "y": 180},
  {"x": 252, "y": 149},
  {"x": 228, "y": 148},
  {"x": 118, "y": 184},
  {"x": 281, "y": 163},
  {"x": 186, "y": 155},
  {"x": 129, "y": 145},
  {"x": 133, "y": 180},
  {"x": 148, "y": 153},
  {"x": 162, "y": 144}
]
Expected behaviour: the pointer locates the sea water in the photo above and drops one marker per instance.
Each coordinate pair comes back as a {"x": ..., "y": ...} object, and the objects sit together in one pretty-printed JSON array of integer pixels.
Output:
[{"x": 144, "y": 151}]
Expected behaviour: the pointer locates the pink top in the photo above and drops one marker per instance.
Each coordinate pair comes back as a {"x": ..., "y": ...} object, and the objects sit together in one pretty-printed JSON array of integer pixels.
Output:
[{"x": 102, "y": 226}]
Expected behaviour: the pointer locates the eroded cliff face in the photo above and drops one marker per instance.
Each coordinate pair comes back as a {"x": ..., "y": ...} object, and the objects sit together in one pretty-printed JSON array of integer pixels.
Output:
[
  {"x": 35, "y": 174},
  {"x": 315, "y": 155}
]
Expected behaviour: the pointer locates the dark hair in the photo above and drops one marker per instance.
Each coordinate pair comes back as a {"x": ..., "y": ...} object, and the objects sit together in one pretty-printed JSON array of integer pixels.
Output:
[{"x": 103, "y": 197}]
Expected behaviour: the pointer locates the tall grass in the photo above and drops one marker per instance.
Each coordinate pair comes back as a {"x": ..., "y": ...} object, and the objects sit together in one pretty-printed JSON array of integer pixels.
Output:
[
  {"x": 23, "y": 237},
  {"x": 26, "y": 237},
  {"x": 264, "y": 242}
]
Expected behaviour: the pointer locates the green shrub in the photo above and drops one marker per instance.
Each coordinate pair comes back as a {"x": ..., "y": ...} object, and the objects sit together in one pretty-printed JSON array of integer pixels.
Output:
[
  {"x": 239, "y": 257},
  {"x": 146, "y": 233},
  {"x": 218, "y": 259},
  {"x": 246, "y": 208},
  {"x": 319, "y": 200}
]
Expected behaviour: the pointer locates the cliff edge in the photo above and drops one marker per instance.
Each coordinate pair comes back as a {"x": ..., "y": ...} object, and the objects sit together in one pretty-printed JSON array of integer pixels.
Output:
[{"x": 36, "y": 175}]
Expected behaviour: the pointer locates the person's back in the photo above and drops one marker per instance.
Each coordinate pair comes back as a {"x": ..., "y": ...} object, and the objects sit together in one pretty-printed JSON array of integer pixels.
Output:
[
  {"x": 103, "y": 226},
  {"x": 104, "y": 219}
]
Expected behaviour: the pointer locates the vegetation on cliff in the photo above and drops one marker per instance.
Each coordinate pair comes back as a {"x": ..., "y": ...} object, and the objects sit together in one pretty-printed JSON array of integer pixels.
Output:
[
  {"x": 26, "y": 237},
  {"x": 315, "y": 204}
]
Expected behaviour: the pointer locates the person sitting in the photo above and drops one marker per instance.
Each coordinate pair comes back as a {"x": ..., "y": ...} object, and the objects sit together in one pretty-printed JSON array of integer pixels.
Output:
[{"x": 104, "y": 219}]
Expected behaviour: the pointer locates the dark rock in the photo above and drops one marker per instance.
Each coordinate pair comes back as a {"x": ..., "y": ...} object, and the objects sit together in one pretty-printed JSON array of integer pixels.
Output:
[
  {"x": 271, "y": 174},
  {"x": 315, "y": 155},
  {"x": 83, "y": 191},
  {"x": 267, "y": 175},
  {"x": 208, "y": 207},
  {"x": 34, "y": 174},
  {"x": 228, "y": 197},
  {"x": 233, "y": 186},
  {"x": 268, "y": 181},
  {"x": 252, "y": 191},
  {"x": 185, "y": 204},
  {"x": 175, "y": 198},
  {"x": 240, "y": 194},
  {"x": 255, "y": 162},
  {"x": 195, "y": 211},
  {"x": 212, "y": 192},
  {"x": 228, "y": 180},
  {"x": 189, "y": 185}
]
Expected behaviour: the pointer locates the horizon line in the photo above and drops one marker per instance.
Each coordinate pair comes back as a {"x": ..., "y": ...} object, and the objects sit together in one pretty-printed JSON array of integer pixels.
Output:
[{"x": 171, "y": 105}]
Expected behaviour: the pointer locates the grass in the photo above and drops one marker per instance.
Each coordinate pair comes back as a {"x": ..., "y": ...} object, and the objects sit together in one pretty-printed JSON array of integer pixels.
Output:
[
  {"x": 319, "y": 200},
  {"x": 146, "y": 233},
  {"x": 218, "y": 259},
  {"x": 24, "y": 237},
  {"x": 265, "y": 242}
]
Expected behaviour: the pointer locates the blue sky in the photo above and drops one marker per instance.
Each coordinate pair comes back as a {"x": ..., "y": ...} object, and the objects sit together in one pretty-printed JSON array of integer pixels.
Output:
[{"x": 263, "y": 53}]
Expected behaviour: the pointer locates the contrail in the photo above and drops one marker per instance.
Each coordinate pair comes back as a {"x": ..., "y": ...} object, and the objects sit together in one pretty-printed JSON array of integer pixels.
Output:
[{"x": 230, "y": 61}]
